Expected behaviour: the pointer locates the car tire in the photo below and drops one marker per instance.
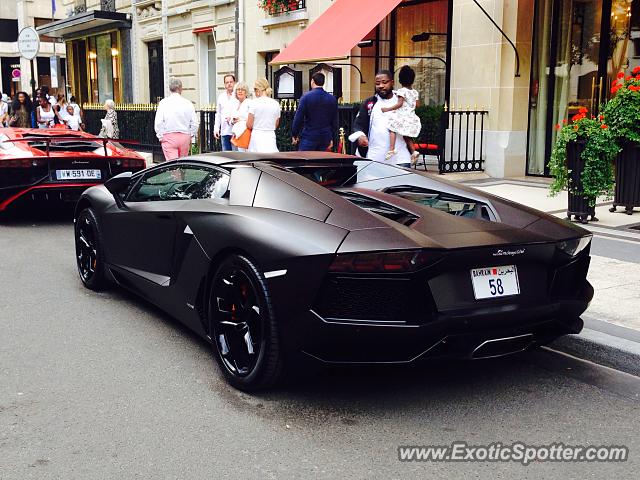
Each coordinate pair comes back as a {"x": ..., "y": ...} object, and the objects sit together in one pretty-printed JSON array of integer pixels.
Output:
[
  {"x": 242, "y": 325},
  {"x": 90, "y": 251}
]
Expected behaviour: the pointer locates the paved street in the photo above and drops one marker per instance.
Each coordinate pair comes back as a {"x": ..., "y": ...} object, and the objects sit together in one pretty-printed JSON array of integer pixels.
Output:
[{"x": 106, "y": 386}]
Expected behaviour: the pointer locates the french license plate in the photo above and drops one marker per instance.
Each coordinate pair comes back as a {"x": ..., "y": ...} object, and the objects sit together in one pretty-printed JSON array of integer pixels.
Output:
[
  {"x": 78, "y": 174},
  {"x": 492, "y": 282}
]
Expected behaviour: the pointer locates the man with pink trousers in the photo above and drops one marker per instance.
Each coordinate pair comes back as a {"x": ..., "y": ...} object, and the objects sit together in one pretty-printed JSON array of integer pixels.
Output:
[{"x": 176, "y": 122}]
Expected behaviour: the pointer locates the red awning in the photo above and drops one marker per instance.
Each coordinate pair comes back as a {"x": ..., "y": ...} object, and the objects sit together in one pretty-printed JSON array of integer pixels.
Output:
[
  {"x": 204, "y": 29},
  {"x": 336, "y": 31}
]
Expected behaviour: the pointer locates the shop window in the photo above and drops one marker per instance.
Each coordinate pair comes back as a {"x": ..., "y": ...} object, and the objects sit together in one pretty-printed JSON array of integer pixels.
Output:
[
  {"x": 421, "y": 43},
  {"x": 104, "y": 68},
  {"x": 8, "y": 30}
]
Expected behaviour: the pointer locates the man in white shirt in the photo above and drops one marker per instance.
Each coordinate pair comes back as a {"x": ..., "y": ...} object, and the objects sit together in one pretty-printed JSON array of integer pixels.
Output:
[
  {"x": 370, "y": 125},
  {"x": 176, "y": 122},
  {"x": 222, "y": 126}
]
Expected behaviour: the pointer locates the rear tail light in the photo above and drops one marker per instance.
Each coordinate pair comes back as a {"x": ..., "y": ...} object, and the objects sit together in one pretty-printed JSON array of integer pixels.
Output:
[
  {"x": 384, "y": 262},
  {"x": 23, "y": 163},
  {"x": 129, "y": 162},
  {"x": 575, "y": 246}
]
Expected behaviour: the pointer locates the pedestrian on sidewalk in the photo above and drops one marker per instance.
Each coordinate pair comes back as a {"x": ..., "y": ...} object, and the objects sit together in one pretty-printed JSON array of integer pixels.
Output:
[
  {"x": 402, "y": 118},
  {"x": 45, "y": 115},
  {"x": 21, "y": 111},
  {"x": 76, "y": 108},
  {"x": 264, "y": 118},
  {"x": 226, "y": 104},
  {"x": 316, "y": 119},
  {"x": 61, "y": 108},
  {"x": 109, "y": 127},
  {"x": 73, "y": 120},
  {"x": 176, "y": 122},
  {"x": 240, "y": 116},
  {"x": 370, "y": 125}
]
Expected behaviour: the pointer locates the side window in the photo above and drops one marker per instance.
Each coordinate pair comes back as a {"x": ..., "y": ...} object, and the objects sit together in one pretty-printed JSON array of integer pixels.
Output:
[
  {"x": 184, "y": 182},
  {"x": 214, "y": 185}
]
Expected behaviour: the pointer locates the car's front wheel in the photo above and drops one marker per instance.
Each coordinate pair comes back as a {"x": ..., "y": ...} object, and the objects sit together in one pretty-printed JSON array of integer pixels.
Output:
[
  {"x": 243, "y": 327},
  {"x": 89, "y": 250}
]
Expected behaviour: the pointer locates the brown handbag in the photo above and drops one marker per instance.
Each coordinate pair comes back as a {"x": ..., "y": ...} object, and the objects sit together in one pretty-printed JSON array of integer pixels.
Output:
[{"x": 243, "y": 140}]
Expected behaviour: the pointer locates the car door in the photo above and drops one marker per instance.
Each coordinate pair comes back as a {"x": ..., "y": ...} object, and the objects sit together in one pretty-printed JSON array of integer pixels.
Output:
[{"x": 142, "y": 234}]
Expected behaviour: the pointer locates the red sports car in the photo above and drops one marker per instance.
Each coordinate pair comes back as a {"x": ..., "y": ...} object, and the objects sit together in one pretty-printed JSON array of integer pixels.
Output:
[{"x": 57, "y": 165}]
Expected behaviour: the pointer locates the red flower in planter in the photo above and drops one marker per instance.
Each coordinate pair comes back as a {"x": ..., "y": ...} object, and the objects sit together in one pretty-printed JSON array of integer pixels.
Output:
[
  {"x": 636, "y": 70},
  {"x": 603, "y": 126},
  {"x": 620, "y": 74},
  {"x": 578, "y": 116}
]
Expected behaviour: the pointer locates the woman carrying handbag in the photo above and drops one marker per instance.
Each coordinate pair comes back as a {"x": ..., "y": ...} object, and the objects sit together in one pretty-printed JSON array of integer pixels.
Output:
[{"x": 241, "y": 134}]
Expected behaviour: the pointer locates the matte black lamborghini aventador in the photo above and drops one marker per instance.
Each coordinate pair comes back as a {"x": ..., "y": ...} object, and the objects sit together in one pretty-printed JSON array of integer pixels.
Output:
[{"x": 333, "y": 258}]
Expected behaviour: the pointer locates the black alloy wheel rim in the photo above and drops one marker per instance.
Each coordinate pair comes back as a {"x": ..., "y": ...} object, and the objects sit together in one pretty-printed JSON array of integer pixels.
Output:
[
  {"x": 86, "y": 251},
  {"x": 237, "y": 321}
]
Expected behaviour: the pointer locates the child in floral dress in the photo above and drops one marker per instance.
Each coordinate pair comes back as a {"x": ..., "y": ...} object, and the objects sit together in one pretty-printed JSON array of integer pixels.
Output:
[{"x": 402, "y": 116}]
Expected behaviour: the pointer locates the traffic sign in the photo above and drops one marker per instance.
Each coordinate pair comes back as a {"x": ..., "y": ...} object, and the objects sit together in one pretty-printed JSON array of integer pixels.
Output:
[{"x": 29, "y": 43}]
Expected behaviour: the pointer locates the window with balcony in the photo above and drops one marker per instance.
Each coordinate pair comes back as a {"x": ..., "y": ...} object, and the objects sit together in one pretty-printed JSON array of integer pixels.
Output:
[{"x": 276, "y": 7}]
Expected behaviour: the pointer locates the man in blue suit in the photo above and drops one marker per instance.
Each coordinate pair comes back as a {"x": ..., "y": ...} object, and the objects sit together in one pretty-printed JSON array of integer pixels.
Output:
[{"x": 316, "y": 120}]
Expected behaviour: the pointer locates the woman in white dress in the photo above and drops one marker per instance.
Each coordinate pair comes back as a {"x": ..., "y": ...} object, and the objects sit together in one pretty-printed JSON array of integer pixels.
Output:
[
  {"x": 241, "y": 114},
  {"x": 263, "y": 119},
  {"x": 45, "y": 116}
]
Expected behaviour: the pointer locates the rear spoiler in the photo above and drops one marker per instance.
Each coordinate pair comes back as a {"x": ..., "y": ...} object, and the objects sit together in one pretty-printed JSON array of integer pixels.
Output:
[{"x": 52, "y": 139}]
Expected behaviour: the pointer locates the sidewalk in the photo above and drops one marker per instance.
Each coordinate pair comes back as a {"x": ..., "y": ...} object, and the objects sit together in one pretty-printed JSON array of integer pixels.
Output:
[{"x": 612, "y": 321}]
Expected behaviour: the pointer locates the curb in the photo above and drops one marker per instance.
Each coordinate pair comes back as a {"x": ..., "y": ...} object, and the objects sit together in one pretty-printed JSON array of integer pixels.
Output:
[{"x": 605, "y": 344}]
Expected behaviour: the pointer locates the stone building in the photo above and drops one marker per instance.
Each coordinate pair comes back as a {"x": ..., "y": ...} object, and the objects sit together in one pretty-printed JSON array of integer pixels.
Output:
[
  {"x": 127, "y": 49},
  {"x": 15, "y": 71}
]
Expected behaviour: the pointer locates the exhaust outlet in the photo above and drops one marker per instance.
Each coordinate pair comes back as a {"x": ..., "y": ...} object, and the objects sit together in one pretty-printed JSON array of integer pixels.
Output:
[{"x": 498, "y": 347}]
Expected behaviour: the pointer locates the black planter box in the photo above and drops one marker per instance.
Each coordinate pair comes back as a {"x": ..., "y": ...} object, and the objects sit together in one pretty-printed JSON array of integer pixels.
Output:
[
  {"x": 578, "y": 205},
  {"x": 627, "y": 193}
]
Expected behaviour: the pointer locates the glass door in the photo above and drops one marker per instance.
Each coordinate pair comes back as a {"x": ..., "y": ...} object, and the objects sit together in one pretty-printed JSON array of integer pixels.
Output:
[{"x": 569, "y": 70}]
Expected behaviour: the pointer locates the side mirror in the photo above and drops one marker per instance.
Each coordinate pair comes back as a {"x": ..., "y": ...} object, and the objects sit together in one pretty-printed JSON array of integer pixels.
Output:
[{"x": 117, "y": 185}]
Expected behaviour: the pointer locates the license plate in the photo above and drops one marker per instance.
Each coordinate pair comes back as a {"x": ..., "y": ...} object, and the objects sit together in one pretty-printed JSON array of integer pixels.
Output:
[
  {"x": 492, "y": 282},
  {"x": 78, "y": 174}
]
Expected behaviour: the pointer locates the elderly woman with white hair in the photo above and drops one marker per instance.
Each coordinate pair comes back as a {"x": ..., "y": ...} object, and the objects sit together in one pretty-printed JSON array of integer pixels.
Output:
[{"x": 110, "y": 121}]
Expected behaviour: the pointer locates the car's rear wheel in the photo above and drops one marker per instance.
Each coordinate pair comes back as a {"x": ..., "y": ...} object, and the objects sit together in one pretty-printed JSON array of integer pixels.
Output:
[
  {"x": 243, "y": 327},
  {"x": 89, "y": 250}
]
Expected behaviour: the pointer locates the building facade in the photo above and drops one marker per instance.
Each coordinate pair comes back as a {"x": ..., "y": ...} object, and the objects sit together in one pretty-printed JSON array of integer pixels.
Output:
[
  {"x": 126, "y": 50},
  {"x": 15, "y": 71}
]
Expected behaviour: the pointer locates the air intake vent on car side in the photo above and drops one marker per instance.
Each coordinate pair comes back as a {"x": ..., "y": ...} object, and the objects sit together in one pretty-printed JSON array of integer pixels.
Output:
[
  {"x": 378, "y": 207},
  {"x": 445, "y": 202}
]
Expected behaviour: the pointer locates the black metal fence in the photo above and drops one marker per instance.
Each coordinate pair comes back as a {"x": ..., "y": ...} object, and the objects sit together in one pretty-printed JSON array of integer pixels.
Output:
[
  {"x": 136, "y": 124},
  {"x": 462, "y": 140},
  {"x": 459, "y": 134}
]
